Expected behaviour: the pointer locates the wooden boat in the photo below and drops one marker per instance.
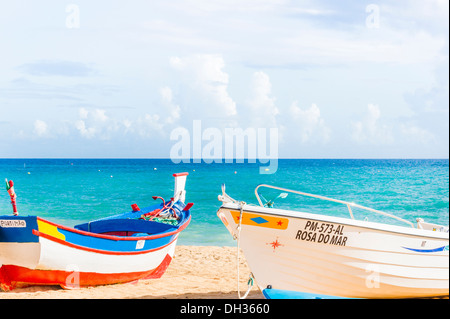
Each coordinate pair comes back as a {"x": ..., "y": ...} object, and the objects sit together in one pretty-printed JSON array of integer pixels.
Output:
[
  {"x": 294, "y": 254},
  {"x": 121, "y": 248}
]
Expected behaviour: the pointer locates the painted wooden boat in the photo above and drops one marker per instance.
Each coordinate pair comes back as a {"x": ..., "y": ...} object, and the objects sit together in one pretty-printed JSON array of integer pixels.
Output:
[
  {"x": 293, "y": 254},
  {"x": 121, "y": 248}
]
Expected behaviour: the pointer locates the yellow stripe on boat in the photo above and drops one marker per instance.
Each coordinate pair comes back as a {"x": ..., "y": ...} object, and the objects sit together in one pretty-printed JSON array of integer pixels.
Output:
[
  {"x": 50, "y": 230},
  {"x": 261, "y": 220}
]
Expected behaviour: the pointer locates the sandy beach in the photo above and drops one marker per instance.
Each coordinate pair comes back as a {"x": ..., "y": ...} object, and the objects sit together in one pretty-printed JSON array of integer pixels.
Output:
[{"x": 196, "y": 272}]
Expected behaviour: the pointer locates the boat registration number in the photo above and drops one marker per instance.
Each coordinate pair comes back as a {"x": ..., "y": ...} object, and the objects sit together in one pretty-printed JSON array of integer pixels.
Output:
[
  {"x": 323, "y": 233},
  {"x": 12, "y": 223}
]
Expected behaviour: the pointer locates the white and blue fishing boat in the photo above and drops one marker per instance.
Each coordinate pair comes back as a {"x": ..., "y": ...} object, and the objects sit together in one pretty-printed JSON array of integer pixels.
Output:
[
  {"x": 298, "y": 254},
  {"x": 138, "y": 244}
]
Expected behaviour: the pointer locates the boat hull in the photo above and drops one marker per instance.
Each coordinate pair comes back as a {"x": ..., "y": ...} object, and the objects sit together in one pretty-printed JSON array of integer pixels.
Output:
[
  {"x": 34, "y": 251},
  {"x": 71, "y": 277},
  {"x": 323, "y": 255}
]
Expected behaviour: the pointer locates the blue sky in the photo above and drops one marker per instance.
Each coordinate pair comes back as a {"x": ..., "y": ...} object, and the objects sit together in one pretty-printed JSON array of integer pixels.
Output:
[{"x": 339, "y": 79}]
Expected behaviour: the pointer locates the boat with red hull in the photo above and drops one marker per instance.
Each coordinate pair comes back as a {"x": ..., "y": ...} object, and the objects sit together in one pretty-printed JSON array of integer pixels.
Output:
[{"x": 134, "y": 245}]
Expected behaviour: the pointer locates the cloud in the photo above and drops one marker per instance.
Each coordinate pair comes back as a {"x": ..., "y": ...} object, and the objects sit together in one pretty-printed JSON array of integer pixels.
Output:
[
  {"x": 310, "y": 46},
  {"x": 263, "y": 110},
  {"x": 208, "y": 83},
  {"x": 148, "y": 125},
  {"x": 371, "y": 130},
  {"x": 432, "y": 100},
  {"x": 173, "y": 109},
  {"x": 57, "y": 68},
  {"x": 95, "y": 124},
  {"x": 199, "y": 7},
  {"x": 400, "y": 131},
  {"x": 308, "y": 123},
  {"x": 22, "y": 88},
  {"x": 289, "y": 34},
  {"x": 338, "y": 35},
  {"x": 430, "y": 16},
  {"x": 85, "y": 132},
  {"x": 40, "y": 128},
  {"x": 416, "y": 134}
]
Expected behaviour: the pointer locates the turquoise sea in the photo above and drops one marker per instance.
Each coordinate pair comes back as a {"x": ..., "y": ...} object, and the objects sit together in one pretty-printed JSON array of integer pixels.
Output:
[{"x": 72, "y": 191}]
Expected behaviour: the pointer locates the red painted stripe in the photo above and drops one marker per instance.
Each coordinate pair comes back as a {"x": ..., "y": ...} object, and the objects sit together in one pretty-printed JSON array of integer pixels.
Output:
[
  {"x": 180, "y": 174},
  {"x": 161, "y": 269},
  {"x": 100, "y": 251},
  {"x": 111, "y": 237},
  {"x": 12, "y": 276}
]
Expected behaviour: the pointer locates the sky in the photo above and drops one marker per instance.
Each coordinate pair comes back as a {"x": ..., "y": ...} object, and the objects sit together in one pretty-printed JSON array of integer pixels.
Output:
[{"x": 116, "y": 79}]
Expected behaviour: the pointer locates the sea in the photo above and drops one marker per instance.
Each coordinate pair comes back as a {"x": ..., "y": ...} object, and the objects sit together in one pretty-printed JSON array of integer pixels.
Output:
[{"x": 74, "y": 191}]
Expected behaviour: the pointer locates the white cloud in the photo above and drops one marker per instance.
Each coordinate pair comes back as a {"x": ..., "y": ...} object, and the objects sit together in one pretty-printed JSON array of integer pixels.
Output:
[
  {"x": 99, "y": 115},
  {"x": 173, "y": 109},
  {"x": 308, "y": 123},
  {"x": 208, "y": 82},
  {"x": 166, "y": 94},
  {"x": 95, "y": 124},
  {"x": 127, "y": 125},
  {"x": 287, "y": 33},
  {"x": 176, "y": 62},
  {"x": 263, "y": 110},
  {"x": 303, "y": 48},
  {"x": 40, "y": 128},
  {"x": 368, "y": 129},
  {"x": 399, "y": 132},
  {"x": 416, "y": 134},
  {"x": 199, "y": 7},
  {"x": 371, "y": 130},
  {"x": 430, "y": 16},
  {"x": 83, "y": 113},
  {"x": 85, "y": 132},
  {"x": 149, "y": 125}
]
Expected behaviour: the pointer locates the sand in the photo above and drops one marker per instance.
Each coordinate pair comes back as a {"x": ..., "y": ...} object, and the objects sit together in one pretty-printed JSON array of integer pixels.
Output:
[{"x": 196, "y": 272}]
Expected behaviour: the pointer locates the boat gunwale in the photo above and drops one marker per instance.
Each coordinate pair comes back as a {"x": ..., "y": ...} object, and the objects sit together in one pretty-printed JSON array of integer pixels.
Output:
[
  {"x": 341, "y": 220},
  {"x": 99, "y": 251},
  {"x": 179, "y": 228}
]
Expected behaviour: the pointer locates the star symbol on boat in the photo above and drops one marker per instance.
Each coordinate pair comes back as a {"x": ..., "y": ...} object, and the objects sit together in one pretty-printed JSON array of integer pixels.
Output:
[
  {"x": 279, "y": 223},
  {"x": 275, "y": 244}
]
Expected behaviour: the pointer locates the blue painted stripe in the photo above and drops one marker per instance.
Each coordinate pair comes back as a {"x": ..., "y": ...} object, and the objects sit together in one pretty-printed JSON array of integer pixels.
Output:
[
  {"x": 270, "y": 293},
  {"x": 427, "y": 250},
  {"x": 18, "y": 229},
  {"x": 114, "y": 245}
]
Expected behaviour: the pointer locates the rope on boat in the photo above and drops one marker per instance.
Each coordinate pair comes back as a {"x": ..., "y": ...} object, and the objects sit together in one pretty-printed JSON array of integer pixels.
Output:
[
  {"x": 238, "y": 238},
  {"x": 12, "y": 195}
]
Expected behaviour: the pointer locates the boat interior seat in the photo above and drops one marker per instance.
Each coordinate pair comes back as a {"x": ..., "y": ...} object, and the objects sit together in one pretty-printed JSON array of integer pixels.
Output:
[{"x": 128, "y": 226}]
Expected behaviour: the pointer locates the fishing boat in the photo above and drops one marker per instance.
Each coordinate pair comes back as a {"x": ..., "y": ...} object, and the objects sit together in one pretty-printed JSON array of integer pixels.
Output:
[
  {"x": 137, "y": 244},
  {"x": 297, "y": 254}
]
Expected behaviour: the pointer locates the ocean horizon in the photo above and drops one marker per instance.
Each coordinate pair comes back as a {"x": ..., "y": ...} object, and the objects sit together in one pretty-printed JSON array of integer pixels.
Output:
[{"x": 75, "y": 190}]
